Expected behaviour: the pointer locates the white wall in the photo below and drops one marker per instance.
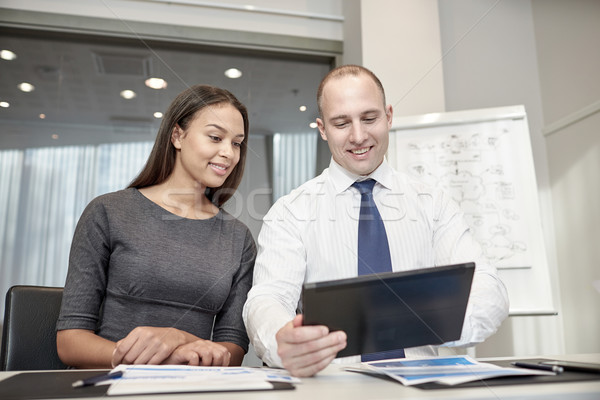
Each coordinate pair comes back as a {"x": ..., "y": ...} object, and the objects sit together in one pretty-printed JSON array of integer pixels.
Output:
[
  {"x": 568, "y": 37},
  {"x": 306, "y": 18},
  {"x": 400, "y": 42},
  {"x": 490, "y": 61},
  {"x": 543, "y": 54}
]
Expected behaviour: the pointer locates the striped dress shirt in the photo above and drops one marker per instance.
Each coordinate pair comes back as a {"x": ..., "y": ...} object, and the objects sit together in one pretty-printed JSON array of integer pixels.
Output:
[{"x": 311, "y": 235}]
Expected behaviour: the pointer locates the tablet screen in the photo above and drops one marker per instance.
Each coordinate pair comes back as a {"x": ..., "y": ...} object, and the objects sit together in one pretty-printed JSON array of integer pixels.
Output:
[{"x": 392, "y": 310}]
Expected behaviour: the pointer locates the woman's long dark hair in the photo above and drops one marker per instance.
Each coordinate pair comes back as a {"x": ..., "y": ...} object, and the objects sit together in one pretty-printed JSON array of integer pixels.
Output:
[{"x": 182, "y": 112}]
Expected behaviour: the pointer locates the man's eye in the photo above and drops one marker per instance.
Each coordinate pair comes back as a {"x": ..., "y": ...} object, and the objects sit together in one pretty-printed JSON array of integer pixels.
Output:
[
  {"x": 369, "y": 120},
  {"x": 340, "y": 125}
]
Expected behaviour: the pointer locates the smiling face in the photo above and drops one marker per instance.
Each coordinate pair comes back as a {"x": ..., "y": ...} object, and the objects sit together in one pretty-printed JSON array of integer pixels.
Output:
[
  {"x": 355, "y": 122},
  {"x": 209, "y": 149}
]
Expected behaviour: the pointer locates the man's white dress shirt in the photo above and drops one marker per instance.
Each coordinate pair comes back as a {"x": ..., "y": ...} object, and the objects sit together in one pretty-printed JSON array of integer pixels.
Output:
[{"x": 311, "y": 235}]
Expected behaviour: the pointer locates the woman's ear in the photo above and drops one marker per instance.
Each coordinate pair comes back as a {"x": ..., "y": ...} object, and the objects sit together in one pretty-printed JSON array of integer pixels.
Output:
[{"x": 176, "y": 136}]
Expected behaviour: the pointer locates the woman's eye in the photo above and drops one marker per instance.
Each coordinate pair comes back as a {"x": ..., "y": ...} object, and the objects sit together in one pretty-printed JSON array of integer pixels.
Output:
[
  {"x": 215, "y": 138},
  {"x": 236, "y": 144}
]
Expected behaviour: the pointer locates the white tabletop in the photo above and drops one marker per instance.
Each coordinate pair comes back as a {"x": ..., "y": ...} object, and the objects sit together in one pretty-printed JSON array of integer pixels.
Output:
[{"x": 334, "y": 383}]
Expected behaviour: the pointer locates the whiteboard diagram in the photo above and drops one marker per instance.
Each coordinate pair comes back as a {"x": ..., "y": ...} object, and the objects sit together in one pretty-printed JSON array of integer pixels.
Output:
[
  {"x": 483, "y": 158},
  {"x": 475, "y": 164}
]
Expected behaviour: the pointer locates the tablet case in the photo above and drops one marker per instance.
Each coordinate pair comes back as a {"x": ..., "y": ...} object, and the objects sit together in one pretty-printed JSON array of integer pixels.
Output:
[{"x": 393, "y": 310}]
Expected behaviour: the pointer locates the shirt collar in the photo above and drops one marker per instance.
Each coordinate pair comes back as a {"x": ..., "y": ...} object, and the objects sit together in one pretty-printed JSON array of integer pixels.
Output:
[{"x": 342, "y": 179}]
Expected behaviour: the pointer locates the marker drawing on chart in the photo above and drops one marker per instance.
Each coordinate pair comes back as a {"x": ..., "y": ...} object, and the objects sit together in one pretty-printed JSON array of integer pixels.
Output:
[{"x": 476, "y": 166}]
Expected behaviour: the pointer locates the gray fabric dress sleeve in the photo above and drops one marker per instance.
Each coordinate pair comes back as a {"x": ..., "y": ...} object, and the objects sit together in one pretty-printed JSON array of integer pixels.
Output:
[
  {"x": 229, "y": 325},
  {"x": 88, "y": 267}
]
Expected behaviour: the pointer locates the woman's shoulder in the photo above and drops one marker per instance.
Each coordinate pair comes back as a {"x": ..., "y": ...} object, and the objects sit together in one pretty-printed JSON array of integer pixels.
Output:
[
  {"x": 105, "y": 208},
  {"x": 233, "y": 223},
  {"x": 115, "y": 198},
  {"x": 118, "y": 201},
  {"x": 240, "y": 235}
]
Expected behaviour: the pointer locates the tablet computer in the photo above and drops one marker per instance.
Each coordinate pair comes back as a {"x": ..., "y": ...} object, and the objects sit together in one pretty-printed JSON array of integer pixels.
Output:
[{"x": 393, "y": 310}]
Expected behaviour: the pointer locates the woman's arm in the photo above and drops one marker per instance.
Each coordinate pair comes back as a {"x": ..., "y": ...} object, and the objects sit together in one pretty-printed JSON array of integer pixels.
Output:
[
  {"x": 207, "y": 353},
  {"x": 82, "y": 348},
  {"x": 150, "y": 345},
  {"x": 237, "y": 353},
  {"x": 229, "y": 330},
  {"x": 84, "y": 291}
]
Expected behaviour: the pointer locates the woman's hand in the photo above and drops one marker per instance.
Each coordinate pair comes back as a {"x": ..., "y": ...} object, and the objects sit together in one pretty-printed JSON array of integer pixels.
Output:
[
  {"x": 200, "y": 352},
  {"x": 148, "y": 345}
]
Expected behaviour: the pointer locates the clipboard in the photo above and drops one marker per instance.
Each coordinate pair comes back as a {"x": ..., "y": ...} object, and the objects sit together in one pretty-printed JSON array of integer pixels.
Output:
[
  {"x": 49, "y": 385},
  {"x": 58, "y": 385}
]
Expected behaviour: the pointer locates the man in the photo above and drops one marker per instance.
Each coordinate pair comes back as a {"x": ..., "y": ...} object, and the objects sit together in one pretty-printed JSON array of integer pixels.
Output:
[{"x": 312, "y": 233}]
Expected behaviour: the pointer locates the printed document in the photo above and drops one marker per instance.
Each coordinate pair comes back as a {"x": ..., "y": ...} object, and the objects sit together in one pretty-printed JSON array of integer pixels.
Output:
[
  {"x": 444, "y": 370},
  {"x": 147, "y": 379}
]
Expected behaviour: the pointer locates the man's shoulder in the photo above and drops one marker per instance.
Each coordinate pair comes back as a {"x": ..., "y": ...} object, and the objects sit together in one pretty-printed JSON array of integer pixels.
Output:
[
  {"x": 315, "y": 185},
  {"x": 406, "y": 183},
  {"x": 302, "y": 198},
  {"x": 420, "y": 193}
]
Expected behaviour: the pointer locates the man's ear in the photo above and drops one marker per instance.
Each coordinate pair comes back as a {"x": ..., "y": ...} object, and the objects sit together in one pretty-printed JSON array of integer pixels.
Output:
[
  {"x": 321, "y": 127},
  {"x": 389, "y": 114},
  {"x": 176, "y": 135}
]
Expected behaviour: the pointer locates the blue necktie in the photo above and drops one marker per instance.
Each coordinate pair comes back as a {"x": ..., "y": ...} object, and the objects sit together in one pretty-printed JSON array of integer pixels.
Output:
[{"x": 373, "y": 249}]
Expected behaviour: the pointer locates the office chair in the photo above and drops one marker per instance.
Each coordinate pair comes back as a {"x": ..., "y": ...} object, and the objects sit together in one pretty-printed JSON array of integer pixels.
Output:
[{"x": 29, "y": 332}]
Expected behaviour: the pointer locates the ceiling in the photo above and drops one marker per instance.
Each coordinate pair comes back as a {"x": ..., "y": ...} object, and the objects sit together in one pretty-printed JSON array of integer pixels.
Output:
[{"x": 78, "y": 79}]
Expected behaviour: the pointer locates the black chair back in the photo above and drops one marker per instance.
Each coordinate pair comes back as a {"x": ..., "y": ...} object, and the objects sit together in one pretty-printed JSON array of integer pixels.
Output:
[{"x": 29, "y": 332}]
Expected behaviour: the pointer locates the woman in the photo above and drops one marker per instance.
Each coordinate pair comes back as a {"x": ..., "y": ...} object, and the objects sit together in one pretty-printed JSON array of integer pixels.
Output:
[{"x": 158, "y": 269}]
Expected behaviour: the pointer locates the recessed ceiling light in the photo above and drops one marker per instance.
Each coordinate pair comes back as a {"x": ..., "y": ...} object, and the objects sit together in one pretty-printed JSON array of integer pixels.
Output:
[
  {"x": 4, "y": 104},
  {"x": 250, "y": 7},
  {"x": 26, "y": 87},
  {"x": 128, "y": 94},
  {"x": 313, "y": 125},
  {"x": 233, "y": 73},
  {"x": 156, "y": 83},
  {"x": 42, "y": 116},
  {"x": 302, "y": 108},
  {"x": 7, "y": 55},
  {"x": 158, "y": 114},
  {"x": 54, "y": 136}
]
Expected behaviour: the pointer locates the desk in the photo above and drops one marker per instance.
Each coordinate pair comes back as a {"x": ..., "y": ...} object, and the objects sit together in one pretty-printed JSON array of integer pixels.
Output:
[{"x": 334, "y": 383}]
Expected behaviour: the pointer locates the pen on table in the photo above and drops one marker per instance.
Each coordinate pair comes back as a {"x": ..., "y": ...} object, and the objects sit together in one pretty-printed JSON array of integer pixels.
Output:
[
  {"x": 553, "y": 368},
  {"x": 98, "y": 378}
]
